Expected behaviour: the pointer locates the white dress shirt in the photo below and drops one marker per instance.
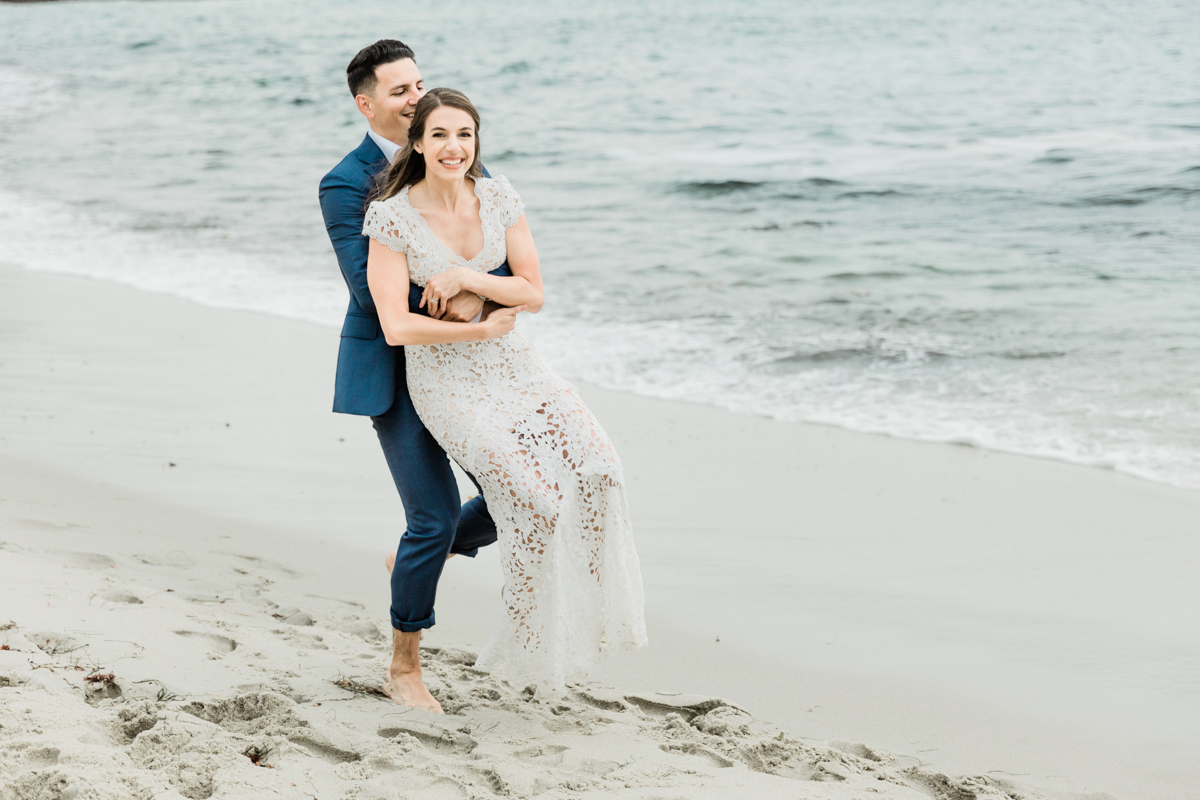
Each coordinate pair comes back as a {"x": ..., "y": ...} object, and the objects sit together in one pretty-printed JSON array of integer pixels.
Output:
[{"x": 388, "y": 147}]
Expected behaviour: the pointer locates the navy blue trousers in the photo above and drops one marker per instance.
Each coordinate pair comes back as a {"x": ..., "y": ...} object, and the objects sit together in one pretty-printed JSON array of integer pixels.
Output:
[{"x": 437, "y": 524}]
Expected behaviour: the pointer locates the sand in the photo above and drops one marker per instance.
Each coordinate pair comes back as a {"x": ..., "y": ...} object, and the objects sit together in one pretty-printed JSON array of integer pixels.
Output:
[
  {"x": 218, "y": 673},
  {"x": 194, "y": 601}
]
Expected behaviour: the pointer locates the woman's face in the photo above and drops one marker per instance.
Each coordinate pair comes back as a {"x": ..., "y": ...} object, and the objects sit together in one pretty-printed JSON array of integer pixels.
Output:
[{"x": 448, "y": 144}]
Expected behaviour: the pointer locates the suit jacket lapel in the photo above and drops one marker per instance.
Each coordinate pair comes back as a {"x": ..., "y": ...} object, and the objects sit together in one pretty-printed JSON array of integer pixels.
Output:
[{"x": 371, "y": 156}]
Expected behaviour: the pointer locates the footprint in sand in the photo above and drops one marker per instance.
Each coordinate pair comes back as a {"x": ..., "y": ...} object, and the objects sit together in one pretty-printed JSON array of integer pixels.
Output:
[
  {"x": 433, "y": 735},
  {"x": 99, "y": 688},
  {"x": 251, "y": 713},
  {"x": 202, "y": 599},
  {"x": 322, "y": 748},
  {"x": 264, "y": 563},
  {"x": 86, "y": 560},
  {"x": 219, "y": 644},
  {"x": 686, "y": 706},
  {"x": 860, "y": 750},
  {"x": 550, "y": 755},
  {"x": 175, "y": 558},
  {"x": 486, "y": 694},
  {"x": 364, "y": 629},
  {"x": 294, "y": 616},
  {"x": 42, "y": 756},
  {"x": 121, "y": 596},
  {"x": 303, "y": 641},
  {"x": 253, "y": 593},
  {"x": 54, "y": 644},
  {"x": 46, "y": 525},
  {"x": 444, "y": 789}
]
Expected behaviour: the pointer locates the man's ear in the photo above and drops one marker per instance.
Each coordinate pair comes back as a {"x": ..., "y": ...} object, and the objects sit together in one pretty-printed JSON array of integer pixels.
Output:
[{"x": 364, "y": 104}]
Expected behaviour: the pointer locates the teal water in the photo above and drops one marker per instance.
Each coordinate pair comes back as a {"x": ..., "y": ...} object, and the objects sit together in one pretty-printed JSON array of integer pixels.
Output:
[{"x": 971, "y": 222}]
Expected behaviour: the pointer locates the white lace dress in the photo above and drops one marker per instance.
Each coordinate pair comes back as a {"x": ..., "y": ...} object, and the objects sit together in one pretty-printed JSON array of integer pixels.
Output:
[{"x": 550, "y": 475}]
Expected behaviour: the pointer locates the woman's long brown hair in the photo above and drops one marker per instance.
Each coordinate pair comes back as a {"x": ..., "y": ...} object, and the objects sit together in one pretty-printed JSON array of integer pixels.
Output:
[{"x": 409, "y": 166}]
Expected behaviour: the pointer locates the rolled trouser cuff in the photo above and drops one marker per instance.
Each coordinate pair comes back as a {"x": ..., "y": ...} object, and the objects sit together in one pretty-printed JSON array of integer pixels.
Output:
[{"x": 411, "y": 627}]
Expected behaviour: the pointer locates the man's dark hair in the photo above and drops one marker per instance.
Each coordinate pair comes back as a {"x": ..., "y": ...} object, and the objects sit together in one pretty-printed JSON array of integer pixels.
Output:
[{"x": 360, "y": 74}]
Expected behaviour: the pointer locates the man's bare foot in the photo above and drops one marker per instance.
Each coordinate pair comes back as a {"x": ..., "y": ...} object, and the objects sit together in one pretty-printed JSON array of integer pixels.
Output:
[
  {"x": 404, "y": 683},
  {"x": 408, "y": 689},
  {"x": 390, "y": 560}
]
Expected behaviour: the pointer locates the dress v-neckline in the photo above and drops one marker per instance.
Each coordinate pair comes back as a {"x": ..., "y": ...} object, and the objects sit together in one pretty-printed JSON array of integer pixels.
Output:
[{"x": 453, "y": 255}]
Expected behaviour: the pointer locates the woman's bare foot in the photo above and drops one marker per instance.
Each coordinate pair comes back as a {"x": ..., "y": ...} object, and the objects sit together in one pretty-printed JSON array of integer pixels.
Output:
[{"x": 404, "y": 683}]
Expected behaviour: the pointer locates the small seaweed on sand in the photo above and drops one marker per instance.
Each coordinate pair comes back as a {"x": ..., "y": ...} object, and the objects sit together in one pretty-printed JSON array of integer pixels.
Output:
[
  {"x": 256, "y": 756},
  {"x": 107, "y": 678},
  {"x": 358, "y": 687},
  {"x": 163, "y": 694},
  {"x": 53, "y": 667},
  {"x": 8, "y": 626}
]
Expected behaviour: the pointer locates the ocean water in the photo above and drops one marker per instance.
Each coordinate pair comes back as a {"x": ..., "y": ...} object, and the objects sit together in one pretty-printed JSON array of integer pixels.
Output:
[{"x": 974, "y": 222}]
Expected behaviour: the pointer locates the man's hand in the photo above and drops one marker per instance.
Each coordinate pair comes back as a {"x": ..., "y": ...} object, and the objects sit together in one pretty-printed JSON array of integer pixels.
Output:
[
  {"x": 442, "y": 288},
  {"x": 461, "y": 308},
  {"x": 500, "y": 321}
]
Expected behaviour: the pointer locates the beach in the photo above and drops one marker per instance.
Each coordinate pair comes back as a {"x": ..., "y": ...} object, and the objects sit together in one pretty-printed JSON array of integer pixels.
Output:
[
  {"x": 891, "y": 313},
  {"x": 180, "y": 511}
]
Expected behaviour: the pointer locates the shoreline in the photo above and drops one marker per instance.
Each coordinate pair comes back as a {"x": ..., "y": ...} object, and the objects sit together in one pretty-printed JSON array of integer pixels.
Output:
[
  {"x": 203, "y": 422},
  {"x": 337, "y": 311}
]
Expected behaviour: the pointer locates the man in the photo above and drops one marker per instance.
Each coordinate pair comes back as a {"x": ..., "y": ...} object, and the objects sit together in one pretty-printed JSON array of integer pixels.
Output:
[{"x": 386, "y": 85}]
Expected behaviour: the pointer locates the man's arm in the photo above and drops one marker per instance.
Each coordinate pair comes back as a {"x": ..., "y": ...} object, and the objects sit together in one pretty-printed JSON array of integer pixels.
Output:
[
  {"x": 343, "y": 205},
  {"x": 464, "y": 306}
]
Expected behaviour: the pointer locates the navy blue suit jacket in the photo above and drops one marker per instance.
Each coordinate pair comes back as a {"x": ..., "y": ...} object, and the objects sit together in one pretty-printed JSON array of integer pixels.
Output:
[{"x": 367, "y": 364}]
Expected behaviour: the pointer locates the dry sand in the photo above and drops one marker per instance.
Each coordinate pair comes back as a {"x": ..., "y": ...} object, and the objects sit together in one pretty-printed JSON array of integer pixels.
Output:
[
  {"x": 191, "y": 582},
  {"x": 214, "y": 672}
]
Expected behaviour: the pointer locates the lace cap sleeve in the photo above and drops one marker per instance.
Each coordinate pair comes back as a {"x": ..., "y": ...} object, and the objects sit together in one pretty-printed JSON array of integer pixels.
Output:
[
  {"x": 511, "y": 205},
  {"x": 387, "y": 225}
]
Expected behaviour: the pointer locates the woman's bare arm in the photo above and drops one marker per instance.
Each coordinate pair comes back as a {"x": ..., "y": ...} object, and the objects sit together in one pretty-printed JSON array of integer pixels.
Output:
[
  {"x": 387, "y": 278},
  {"x": 524, "y": 288}
]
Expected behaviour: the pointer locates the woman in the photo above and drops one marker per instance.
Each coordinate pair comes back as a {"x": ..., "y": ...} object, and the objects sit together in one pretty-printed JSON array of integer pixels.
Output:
[{"x": 550, "y": 475}]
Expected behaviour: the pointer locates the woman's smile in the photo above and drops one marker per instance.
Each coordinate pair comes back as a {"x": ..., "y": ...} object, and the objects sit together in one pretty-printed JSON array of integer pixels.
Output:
[{"x": 448, "y": 142}]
